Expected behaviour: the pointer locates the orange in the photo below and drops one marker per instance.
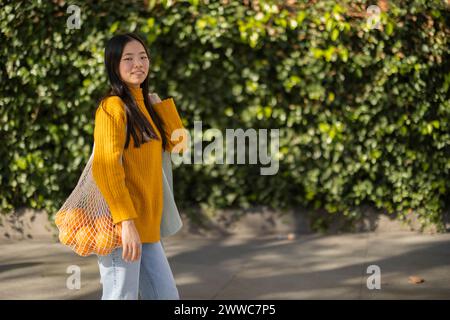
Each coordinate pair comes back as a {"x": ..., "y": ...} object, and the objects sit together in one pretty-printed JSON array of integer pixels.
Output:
[
  {"x": 76, "y": 218},
  {"x": 60, "y": 218},
  {"x": 104, "y": 223},
  {"x": 104, "y": 251},
  {"x": 67, "y": 237},
  {"x": 85, "y": 236},
  {"x": 104, "y": 242},
  {"x": 83, "y": 250}
]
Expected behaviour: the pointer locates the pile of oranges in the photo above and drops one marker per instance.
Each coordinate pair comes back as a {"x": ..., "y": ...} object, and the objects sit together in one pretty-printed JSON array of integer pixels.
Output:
[{"x": 87, "y": 235}]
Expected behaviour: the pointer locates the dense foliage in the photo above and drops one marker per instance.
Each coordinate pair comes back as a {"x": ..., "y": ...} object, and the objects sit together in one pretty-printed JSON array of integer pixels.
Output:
[{"x": 363, "y": 112}]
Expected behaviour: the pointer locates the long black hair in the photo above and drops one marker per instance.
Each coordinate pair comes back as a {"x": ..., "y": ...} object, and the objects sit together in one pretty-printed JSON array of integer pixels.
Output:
[{"x": 137, "y": 123}]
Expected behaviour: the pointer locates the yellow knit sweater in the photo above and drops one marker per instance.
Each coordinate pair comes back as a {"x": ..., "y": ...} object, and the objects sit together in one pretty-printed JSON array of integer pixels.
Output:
[{"x": 132, "y": 190}]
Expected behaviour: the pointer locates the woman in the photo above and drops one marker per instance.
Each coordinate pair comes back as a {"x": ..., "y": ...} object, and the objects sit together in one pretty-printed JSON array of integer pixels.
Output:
[{"x": 133, "y": 189}]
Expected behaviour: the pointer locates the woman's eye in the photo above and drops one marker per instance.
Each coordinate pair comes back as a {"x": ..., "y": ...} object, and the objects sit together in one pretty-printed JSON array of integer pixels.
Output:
[
  {"x": 144, "y": 58},
  {"x": 127, "y": 59}
]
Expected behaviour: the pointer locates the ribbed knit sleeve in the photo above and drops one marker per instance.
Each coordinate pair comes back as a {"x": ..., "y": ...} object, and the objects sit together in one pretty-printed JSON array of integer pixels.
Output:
[
  {"x": 108, "y": 172},
  {"x": 167, "y": 111}
]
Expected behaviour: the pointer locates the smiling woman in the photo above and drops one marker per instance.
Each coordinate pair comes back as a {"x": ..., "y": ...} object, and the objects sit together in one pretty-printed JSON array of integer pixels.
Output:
[{"x": 130, "y": 179}]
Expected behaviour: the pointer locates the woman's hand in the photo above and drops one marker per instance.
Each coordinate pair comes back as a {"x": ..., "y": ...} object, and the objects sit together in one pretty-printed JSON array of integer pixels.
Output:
[
  {"x": 154, "y": 98},
  {"x": 131, "y": 242}
]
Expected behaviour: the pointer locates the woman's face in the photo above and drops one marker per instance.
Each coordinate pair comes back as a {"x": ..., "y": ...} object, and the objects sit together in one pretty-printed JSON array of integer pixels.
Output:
[{"x": 134, "y": 64}]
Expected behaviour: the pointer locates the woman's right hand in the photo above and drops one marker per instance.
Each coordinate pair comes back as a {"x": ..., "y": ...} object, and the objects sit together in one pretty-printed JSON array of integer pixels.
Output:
[{"x": 131, "y": 243}]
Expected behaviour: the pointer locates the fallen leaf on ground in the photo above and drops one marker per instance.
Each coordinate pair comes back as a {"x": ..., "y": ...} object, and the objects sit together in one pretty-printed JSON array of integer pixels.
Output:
[
  {"x": 415, "y": 280},
  {"x": 291, "y": 236}
]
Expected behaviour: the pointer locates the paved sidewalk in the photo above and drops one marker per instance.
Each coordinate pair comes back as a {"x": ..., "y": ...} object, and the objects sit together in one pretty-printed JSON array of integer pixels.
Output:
[{"x": 308, "y": 267}]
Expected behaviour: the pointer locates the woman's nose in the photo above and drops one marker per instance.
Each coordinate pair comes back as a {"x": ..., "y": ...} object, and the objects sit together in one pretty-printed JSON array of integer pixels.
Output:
[{"x": 138, "y": 63}]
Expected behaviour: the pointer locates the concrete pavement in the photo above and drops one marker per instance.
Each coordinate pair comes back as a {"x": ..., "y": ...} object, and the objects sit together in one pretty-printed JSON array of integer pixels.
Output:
[{"x": 308, "y": 267}]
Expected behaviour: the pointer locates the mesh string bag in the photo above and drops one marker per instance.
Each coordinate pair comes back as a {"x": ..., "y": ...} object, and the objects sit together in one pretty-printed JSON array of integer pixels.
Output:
[{"x": 84, "y": 221}]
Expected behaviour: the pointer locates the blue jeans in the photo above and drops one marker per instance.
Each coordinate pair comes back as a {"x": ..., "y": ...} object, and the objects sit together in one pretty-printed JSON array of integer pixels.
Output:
[{"x": 148, "y": 278}]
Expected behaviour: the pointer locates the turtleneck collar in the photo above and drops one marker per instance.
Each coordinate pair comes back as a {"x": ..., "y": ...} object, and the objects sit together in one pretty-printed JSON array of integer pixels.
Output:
[{"x": 137, "y": 93}]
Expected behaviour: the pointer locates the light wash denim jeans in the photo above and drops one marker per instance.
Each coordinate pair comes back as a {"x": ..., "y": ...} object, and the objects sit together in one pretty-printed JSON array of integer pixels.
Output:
[{"x": 148, "y": 278}]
